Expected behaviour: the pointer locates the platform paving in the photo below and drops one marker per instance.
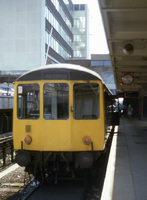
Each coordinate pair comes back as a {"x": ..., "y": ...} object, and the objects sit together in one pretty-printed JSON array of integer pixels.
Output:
[{"x": 126, "y": 176}]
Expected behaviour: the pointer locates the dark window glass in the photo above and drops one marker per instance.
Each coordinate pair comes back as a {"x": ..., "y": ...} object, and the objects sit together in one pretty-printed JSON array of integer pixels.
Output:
[
  {"x": 82, "y": 7},
  {"x": 107, "y": 63},
  {"x": 86, "y": 101},
  {"x": 76, "y": 7},
  {"x": 56, "y": 101}
]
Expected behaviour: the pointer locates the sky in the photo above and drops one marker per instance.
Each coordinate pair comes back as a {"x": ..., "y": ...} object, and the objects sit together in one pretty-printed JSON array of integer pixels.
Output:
[{"x": 98, "y": 44}]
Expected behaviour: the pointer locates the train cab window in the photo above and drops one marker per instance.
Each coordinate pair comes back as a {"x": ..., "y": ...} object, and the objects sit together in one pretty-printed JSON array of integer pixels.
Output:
[
  {"x": 86, "y": 101},
  {"x": 56, "y": 101},
  {"x": 28, "y": 101}
]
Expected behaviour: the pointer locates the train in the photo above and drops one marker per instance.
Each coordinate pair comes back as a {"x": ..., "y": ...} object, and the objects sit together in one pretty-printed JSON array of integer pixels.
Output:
[{"x": 62, "y": 117}]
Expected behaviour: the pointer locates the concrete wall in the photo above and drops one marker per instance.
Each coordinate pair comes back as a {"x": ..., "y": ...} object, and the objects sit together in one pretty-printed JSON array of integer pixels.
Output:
[
  {"x": 21, "y": 34},
  {"x": 6, "y": 102}
]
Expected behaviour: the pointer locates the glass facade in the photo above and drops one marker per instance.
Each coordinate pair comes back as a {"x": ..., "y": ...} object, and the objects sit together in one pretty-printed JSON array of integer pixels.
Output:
[
  {"x": 56, "y": 46},
  {"x": 62, "y": 25},
  {"x": 71, "y": 23},
  {"x": 100, "y": 63},
  {"x": 80, "y": 31},
  {"x": 69, "y": 5}
]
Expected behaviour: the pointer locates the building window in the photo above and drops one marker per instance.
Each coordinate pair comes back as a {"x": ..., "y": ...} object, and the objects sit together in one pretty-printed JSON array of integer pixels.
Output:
[
  {"x": 107, "y": 63},
  {"x": 79, "y": 7},
  {"x": 100, "y": 63},
  {"x": 49, "y": 16},
  {"x": 82, "y": 7}
]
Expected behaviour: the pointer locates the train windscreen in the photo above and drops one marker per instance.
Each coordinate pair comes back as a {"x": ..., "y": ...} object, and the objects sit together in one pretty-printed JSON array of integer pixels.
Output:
[
  {"x": 28, "y": 101},
  {"x": 56, "y": 101},
  {"x": 86, "y": 101}
]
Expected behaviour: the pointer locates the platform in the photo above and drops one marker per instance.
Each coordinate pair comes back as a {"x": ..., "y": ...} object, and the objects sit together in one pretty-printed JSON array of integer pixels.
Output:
[{"x": 126, "y": 175}]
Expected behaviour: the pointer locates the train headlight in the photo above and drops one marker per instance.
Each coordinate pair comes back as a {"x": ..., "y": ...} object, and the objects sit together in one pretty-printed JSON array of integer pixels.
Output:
[
  {"x": 86, "y": 140},
  {"x": 28, "y": 139}
]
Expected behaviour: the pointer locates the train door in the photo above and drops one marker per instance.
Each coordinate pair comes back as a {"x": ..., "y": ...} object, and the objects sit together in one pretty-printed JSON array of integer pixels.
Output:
[
  {"x": 56, "y": 122},
  {"x": 88, "y": 119}
]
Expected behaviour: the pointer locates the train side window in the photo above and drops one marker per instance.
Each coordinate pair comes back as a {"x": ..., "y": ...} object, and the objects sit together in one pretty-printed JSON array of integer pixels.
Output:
[
  {"x": 86, "y": 101},
  {"x": 56, "y": 101},
  {"x": 28, "y": 101}
]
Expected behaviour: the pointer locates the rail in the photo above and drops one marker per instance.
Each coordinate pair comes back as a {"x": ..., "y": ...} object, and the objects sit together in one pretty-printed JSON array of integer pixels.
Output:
[{"x": 6, "y": 146}]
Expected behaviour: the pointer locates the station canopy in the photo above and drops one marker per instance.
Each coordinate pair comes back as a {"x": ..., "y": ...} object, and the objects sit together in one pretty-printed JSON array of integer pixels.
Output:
[{"x": 125, "y": 24}]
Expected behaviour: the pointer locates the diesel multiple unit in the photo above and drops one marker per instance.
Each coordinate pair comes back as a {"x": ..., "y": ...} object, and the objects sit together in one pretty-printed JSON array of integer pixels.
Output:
[{"x": 62, "y": 115}]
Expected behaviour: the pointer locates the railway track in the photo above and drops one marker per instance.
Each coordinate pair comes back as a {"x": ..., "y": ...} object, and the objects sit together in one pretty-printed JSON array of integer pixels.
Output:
[
  {"x": 63, "y": 190},
  {"x": 6, "y": 147},
  {"x": 14, "y": 183},
  {"x": 88, "y": 188}
]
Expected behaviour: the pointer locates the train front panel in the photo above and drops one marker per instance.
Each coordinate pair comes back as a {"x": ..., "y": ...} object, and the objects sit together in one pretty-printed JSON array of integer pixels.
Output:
[{"x": 59, "y": 116}]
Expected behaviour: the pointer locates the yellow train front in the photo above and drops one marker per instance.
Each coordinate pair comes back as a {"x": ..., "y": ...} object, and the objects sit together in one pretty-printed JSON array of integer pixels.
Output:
[{"x": 60, "y": 119}]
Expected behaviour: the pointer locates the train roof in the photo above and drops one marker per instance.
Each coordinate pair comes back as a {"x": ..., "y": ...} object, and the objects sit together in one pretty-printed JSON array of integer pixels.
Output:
[{"x": 60, "y": 72}]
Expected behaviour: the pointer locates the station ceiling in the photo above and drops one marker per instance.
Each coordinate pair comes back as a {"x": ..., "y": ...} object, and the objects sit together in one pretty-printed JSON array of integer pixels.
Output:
[{"x": 125, "y": 24}]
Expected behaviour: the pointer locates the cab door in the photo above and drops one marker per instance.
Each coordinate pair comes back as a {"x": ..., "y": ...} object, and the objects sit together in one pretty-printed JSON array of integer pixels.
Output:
[{"x": 88, "y": 117}]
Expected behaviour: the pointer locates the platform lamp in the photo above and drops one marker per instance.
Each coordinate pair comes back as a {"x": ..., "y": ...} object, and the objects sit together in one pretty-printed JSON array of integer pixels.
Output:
[{"x": 128, "y": 49}]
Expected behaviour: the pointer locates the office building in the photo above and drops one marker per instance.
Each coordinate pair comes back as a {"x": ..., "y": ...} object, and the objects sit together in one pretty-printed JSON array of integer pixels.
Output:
[
  {"x": 28, "y": 28},
  {"x": 58, "y": 30},
  {"x": 81, "y": 31}
]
